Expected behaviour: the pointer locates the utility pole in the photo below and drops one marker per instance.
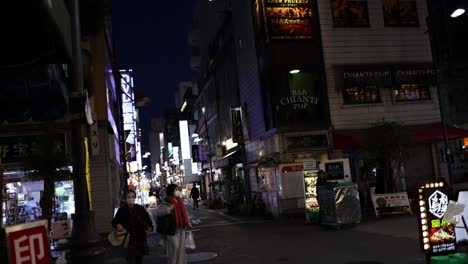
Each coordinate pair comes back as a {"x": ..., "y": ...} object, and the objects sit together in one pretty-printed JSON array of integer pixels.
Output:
[
  {"x": 443, "y": 114},
  {"x": 84, "y": 241}
]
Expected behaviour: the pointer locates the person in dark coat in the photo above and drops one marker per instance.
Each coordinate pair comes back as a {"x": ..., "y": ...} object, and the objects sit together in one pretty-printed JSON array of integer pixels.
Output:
[
  {"x": 195, "y": 194},
  {"x": 134, "y": 219}
]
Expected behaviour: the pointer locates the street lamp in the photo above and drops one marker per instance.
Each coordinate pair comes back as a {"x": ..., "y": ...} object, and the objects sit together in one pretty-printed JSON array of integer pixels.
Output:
[{"x": 457, "y": 12}]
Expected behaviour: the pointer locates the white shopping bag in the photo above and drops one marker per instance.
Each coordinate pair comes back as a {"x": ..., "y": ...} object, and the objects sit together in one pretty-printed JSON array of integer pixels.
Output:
[{"x": 189, "y": 241}]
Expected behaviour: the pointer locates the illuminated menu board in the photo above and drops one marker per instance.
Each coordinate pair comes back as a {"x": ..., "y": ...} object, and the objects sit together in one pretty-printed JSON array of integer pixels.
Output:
[
  {"x": 288, "y": 19},
  {"x": 437, "y": 235},
  {"x": 311, "y": 197}
]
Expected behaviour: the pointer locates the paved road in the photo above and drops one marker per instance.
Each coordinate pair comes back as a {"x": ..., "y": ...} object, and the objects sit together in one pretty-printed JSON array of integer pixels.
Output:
[{"x": 253, "y": 241}]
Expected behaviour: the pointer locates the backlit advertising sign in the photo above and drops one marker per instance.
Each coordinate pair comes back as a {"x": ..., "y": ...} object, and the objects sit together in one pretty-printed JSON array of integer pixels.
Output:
[
  {"x": 437, "y": 235},
  {"x": 128, "y": 100},
  {"x": 28, "y": 243},
  {"x": 311, "y": 197},
  {"x": 287, "y": 19}
]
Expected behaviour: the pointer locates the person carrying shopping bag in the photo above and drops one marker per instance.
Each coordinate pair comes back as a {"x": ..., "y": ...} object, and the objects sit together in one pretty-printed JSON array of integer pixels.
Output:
[
  {"x": 173, "y": 222},
  {"x": 135, "y": 220}
]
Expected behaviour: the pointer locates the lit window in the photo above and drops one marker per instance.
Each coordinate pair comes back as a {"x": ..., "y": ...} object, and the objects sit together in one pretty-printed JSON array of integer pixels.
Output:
[
  {"x": 411, "y": 92},
  {"x": 365, "y": 94}
]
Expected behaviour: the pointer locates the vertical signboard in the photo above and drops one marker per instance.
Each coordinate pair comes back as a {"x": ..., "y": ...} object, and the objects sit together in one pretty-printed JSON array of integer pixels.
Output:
[
  {"x": 311, "y": 197},
  {"x": 94, "y": 139},
  {"x": 128, "y": 100},
  {"x": 236, "y": 123},
  {"x": 28, "y": 243},
  {"x": 437, "y": 235},
  {"x": 288, "y": 19}
]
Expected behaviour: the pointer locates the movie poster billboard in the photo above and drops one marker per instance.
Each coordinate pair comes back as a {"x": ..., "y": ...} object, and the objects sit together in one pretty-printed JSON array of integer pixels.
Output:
[
  {"x": 311, "y": 197},
  {"x": 400, "y": 13},
  {"x": 437, "y": 235},
  {"x": 287, "y": 19},
  {"x": 350, "y": 13}
]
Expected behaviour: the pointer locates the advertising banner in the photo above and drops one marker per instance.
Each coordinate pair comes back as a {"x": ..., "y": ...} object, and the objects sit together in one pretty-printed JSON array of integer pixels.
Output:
[
  {"x": 400, "y": 13},
  {"x": 350, "y": 13},
  {"x": 437, "y": 235},
  {"x": 311, "y": 197},
  {"x": 287, "y": 19},
  {"x": 28, "y": 243}
]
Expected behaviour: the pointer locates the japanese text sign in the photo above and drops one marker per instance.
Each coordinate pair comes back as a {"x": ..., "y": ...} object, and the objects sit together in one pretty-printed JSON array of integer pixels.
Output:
[
  {"x": 28, "y": 243},
  {"x": 288, "y": 19},
  {"x": 15, "y": 149},
  {"x": 437, "y": 234}
]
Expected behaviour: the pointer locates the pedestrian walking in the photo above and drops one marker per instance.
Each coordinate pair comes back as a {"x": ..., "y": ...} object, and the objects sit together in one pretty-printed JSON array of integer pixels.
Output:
[
  {"x": 195, "y": 194},
  {"x": 134, "y": 219},
  {"x": 173, "y": 222}
]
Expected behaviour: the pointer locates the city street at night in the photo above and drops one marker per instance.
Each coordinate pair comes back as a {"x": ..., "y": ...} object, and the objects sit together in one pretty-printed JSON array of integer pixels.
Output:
[
  {"x": 251, "y": 240},
  {"x": 234, "y": 132}
]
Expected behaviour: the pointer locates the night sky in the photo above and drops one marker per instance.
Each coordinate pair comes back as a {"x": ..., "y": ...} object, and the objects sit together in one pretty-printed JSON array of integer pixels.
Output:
[{"x": 151, "y": 38}]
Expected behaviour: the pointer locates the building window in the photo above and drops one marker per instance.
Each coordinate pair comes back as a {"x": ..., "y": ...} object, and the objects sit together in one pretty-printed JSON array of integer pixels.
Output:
[
  {"x": 365, "y": 94},
  {"x": 411, "y": 92}
]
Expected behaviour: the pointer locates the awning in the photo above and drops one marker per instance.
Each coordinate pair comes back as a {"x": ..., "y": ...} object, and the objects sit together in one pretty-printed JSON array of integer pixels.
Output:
[
  {"x": 436, "y": 133},
  {"x": 349, "y": 139},
  {"x": 227, "y": 160}
]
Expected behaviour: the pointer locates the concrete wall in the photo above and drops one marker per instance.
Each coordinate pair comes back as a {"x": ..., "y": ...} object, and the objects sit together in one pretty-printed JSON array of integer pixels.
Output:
[{"x": 249, "y": 80}]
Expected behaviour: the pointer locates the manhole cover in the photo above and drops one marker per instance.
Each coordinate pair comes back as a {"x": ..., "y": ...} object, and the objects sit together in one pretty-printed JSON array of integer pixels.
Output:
[{"x": 201, "y": 256}]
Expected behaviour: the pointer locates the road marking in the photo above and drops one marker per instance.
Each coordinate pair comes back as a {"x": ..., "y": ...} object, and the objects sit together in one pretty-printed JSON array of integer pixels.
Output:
[
  {"x": 196, "y": 221},
  {"x": 230, "y": 217},
  {"x": 236, "y": 223},
  {"x": 221, "y": 222}
]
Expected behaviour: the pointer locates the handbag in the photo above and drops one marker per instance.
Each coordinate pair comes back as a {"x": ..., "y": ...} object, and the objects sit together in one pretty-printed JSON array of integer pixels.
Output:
[
  {"x": 189, "y": 240},
  {"x": 119, "y": 239}
]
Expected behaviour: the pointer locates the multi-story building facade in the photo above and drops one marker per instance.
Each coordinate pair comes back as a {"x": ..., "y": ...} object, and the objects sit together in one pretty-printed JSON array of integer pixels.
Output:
[
  {"x": 50, "y": 105},
  {"x": 311, "y": 77}
]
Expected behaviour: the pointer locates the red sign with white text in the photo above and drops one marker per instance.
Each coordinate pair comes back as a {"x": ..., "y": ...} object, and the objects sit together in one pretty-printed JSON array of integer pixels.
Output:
[{"x": 28, "y": 243}]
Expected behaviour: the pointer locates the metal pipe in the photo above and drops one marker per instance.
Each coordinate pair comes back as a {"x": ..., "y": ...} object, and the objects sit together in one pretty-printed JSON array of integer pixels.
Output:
[{"x": 80, "y": 186}]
